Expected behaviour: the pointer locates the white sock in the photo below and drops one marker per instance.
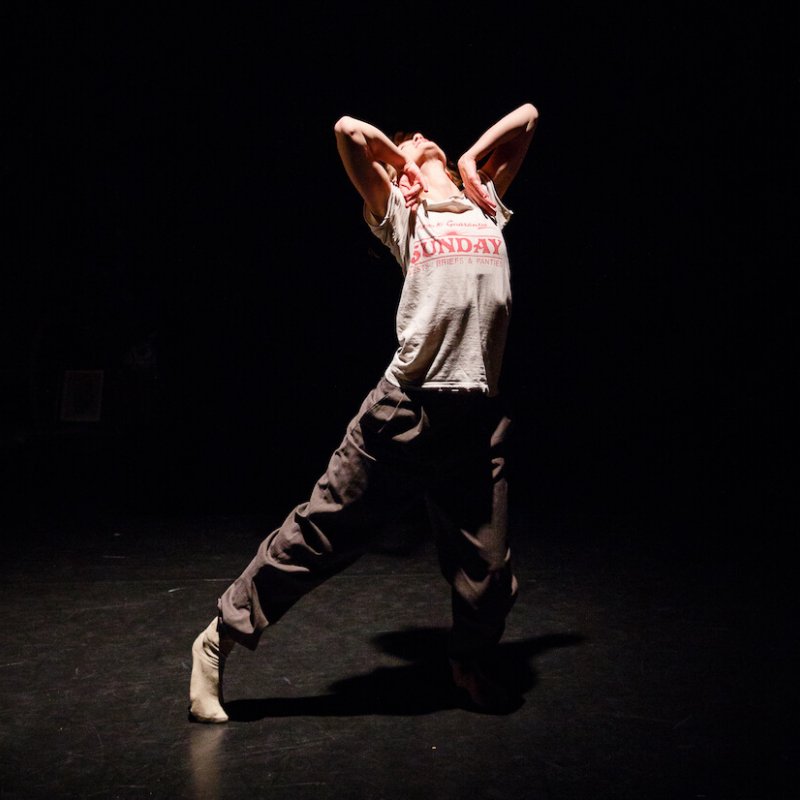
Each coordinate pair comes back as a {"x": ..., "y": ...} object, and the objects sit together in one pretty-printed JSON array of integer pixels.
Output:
[{"x": 205, "y": 687}]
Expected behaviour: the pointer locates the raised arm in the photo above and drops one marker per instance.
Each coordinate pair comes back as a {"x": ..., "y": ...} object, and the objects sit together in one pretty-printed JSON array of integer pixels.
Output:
[
  {"x": 364, "y": 149},
  {"x": 506, "y": 143}
]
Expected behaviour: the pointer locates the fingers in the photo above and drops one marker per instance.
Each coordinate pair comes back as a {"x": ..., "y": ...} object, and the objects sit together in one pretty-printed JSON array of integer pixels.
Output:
[
  {"x": 479, "y": 195},
  {"x": 411, "y": 193},
  {"x": 412, "y": 200},
  {"x": 412, "y": 184},
  {"x": 473, "y": 186}
]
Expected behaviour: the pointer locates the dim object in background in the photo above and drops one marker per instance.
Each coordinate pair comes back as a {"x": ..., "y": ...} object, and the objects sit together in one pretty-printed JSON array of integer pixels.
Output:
[{"x": 82, "y": 395}]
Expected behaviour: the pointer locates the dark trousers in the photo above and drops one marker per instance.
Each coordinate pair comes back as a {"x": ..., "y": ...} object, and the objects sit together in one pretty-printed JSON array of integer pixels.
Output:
[{"x": 402, "y": 444}]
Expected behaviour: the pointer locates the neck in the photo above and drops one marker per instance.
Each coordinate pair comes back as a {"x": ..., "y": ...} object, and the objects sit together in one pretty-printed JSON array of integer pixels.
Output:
[{"x": 440, "y": 185}]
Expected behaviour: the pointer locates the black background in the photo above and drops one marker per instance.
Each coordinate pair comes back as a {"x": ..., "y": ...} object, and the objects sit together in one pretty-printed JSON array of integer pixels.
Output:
[{"x": 173, "y": 180}]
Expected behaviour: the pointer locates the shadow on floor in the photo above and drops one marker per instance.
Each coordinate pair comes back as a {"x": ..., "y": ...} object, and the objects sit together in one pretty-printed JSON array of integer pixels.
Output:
[{"x": 423, "y": 686}]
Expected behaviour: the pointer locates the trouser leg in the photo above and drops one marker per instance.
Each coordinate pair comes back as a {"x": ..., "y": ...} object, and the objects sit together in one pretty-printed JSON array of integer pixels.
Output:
[
  {"x": 469, "y": 516},
  {"x": 370, "y": 475}
]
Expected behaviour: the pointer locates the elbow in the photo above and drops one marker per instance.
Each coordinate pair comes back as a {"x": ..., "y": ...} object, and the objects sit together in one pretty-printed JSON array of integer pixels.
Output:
[
  {"x": 530, "y": 115},
  {"x": 345, "y": 126}
]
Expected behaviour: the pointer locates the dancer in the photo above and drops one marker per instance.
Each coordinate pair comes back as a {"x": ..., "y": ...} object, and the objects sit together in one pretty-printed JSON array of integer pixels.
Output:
[{"x": 432, "y": 427}]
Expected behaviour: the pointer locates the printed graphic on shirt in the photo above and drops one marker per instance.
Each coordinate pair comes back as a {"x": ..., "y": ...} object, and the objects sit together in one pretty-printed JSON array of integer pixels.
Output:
[{"x": 467, "y": 243}]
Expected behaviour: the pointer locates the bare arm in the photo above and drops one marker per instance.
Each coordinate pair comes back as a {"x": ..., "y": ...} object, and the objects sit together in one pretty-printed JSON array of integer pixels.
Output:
[
  {"x": 364, "y": 149},
  {"x": 506, "y": 143}
]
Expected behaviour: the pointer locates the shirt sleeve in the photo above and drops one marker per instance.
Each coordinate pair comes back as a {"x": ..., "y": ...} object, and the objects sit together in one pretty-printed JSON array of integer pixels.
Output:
[
  {"x": 504, "y": 213},
  {"x": 392, "y": 230}
]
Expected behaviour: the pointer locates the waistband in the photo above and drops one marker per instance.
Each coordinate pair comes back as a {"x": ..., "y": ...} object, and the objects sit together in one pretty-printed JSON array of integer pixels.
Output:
[{"x": 435, "y": 391}]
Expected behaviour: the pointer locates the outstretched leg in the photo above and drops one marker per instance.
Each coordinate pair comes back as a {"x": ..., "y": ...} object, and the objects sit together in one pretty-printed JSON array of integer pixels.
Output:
[{"x": 373, "y": 472}]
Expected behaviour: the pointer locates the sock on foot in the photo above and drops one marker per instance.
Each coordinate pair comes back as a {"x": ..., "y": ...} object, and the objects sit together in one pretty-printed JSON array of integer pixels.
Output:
[{"x": 208, "y": 663}]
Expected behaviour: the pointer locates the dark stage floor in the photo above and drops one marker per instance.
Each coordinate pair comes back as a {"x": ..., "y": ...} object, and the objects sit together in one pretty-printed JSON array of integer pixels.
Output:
[{"x": 651, "y": 668}]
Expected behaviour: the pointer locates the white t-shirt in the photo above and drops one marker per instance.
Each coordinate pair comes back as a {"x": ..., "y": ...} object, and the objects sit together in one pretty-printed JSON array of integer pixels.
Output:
[{"x": 455, "y": 306}]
